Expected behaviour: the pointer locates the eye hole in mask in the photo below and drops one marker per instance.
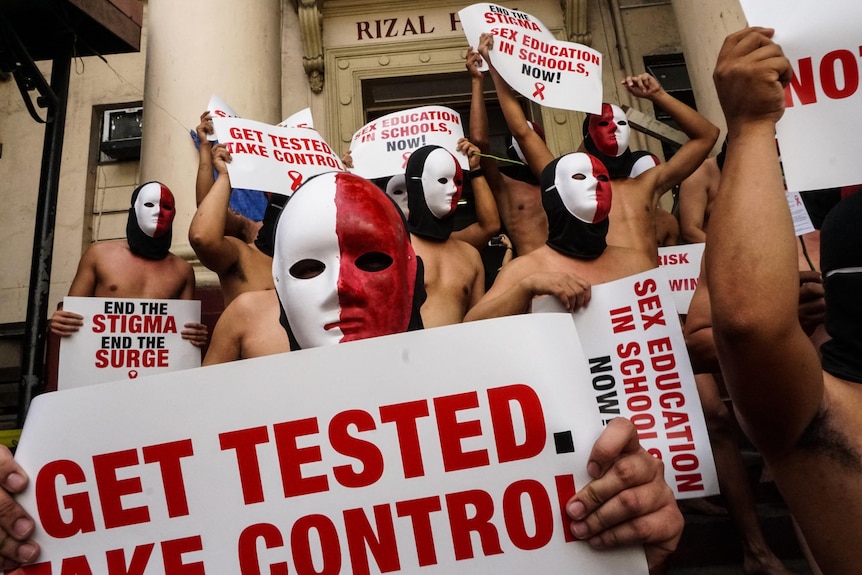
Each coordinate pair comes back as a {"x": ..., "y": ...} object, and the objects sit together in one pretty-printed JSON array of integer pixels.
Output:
[
  {"x": 373, "y": 262},
  {"x": 307, "y": 269}
]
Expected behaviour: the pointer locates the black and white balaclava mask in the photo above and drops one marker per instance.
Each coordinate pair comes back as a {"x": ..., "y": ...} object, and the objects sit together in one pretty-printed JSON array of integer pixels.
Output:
[
  {"x": 434, "y": 180},
  {"x": 151, "y": 218},
  {"x": 576, "y": 195},
  {"x": 841, "y": 264}
]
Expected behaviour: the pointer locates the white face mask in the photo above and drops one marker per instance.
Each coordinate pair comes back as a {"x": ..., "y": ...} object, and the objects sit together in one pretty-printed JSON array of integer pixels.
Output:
[
  {"x": 441, "y": 183},
  {"x": 396, "y": 188},
  {"x": 584, "y": 187},
  {"x": 342, "y": 262},
  {"x": 154, "y": 209}
]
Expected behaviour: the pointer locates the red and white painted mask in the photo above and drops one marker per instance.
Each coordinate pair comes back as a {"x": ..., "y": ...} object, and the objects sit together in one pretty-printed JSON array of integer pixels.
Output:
[
  {"x": 610, "y": 130},
  {"x": 343, "y": 265}
]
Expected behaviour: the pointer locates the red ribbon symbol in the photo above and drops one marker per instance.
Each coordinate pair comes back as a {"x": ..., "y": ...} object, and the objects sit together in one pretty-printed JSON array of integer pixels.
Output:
[
  {"x": 540, "y": 91},
  {"x": 404, "y": 157},
  {"x": 295, "y": 179}
]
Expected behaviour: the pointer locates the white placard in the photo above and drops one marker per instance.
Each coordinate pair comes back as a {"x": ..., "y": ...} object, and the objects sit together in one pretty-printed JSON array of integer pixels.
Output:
[
  {"x": 382, "y": 147},
  {"x": 548, "y": 71},
  {"x": 271, "y": 158},
  {"x": 818, "y": 132},
  {"x": 301, "y": 119},
  {"x": 126, "y": 339},
  {"x": 801, "y": 220},
  {"x": 640, "y": 369},
  {"x": 393, "y": 454},
  {"x": 681, "y": 265},
  {"x": 218, "y": 108},
  {"x": 485, "y": 17}
]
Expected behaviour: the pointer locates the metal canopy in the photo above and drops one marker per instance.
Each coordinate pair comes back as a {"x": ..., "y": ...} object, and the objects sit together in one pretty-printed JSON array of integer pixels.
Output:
[{"x": 98, "y": 26}]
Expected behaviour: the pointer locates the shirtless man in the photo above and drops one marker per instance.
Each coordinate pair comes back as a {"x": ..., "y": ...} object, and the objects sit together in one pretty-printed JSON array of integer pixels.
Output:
[
  {"x": 487, "y": 222},
  {"x": 141, "y": 266},
  {"x": 454, "y": 273},
  {"x": 515, "y": 187},
  {"x": 632, "y": 215},
  {"x": 801, "y": 411},
  {"x": 241, "y": 266},
  {"x": 577, "y": 199}
]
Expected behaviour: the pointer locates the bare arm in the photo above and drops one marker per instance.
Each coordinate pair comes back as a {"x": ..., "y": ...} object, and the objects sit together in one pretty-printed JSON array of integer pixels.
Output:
[
  {"x": 207, "y": 230},
  {"x": 701, "y": 132},
  {"x": 698, "y": 329},
  {"x": 762, "y": 349},
  {"x": 517, "y": 284},
  {"x": 693, "y": 201},
  {"x": 226, "y": 343},
  {"x": 205, "y": 179},
  {"x": 234, "y": 224},
  {"x": 65, "y": 322},
  {"x": 534, "y": 148},
  {"x": 487, "y": 217}
]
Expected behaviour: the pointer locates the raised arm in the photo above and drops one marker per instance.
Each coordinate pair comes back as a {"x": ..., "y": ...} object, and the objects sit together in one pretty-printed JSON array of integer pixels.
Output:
[
  {"x": 487, "y": 217},
  {"x": 207, "y": 230},
  {"x": 234, "y": 224},
  {"x": 534, "y": 148},
  {"x": 479, "y": 121},
  {"x": 205, "y": 178},
  {"x": 701, "y": 132},
  {"x": 771, "y": 369}
]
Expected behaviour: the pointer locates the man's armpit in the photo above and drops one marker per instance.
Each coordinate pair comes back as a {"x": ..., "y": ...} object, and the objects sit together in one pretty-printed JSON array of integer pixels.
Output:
[{"x": 821, "y": 437}]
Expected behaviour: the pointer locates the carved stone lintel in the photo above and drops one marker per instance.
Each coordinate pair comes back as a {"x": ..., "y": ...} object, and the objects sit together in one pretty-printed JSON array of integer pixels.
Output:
[
  {"x": 311, "y": 29},
  {"x": 575, "y": 21}
]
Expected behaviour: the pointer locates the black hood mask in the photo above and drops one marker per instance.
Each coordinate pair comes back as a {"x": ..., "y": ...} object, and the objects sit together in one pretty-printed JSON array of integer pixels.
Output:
[
  {"x": 421, "y": 220},
  {"x": 581, "y": 236},
  {"x": 157, "y": 246},
  {"x": 841, "y": 264}
]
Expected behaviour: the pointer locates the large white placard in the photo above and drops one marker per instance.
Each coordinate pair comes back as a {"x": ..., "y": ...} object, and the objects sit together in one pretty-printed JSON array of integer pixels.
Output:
[
  {"x": 382, "y": 147},
  {"x": 126, "y": 339},
  {"x": 535, "y": 64},
  {"x": 818, "y": 134},
  {"x": 272, "y": 158},
  {"x": 395, "y": 454},
  {"x": 639, "y": 368}
]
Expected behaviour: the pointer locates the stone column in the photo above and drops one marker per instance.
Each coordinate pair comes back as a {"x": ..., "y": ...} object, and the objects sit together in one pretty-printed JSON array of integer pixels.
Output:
[
  {"x": 703, "y": 25},
  {"x": 196, "y": 48}
]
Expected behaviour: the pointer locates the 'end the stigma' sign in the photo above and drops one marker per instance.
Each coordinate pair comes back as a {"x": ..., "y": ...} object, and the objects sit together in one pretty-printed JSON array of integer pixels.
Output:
[{"x": 126, "y": 339}]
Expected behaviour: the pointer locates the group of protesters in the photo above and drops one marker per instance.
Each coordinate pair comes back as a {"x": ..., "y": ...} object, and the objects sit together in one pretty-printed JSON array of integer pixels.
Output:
[{"x": 369, "y": 264}]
